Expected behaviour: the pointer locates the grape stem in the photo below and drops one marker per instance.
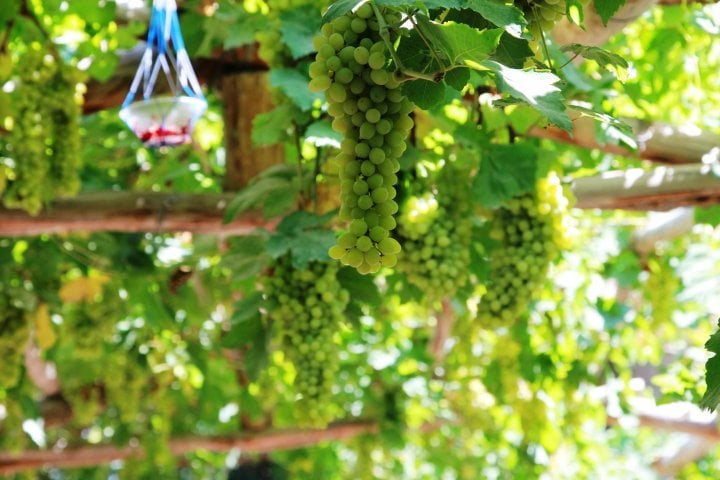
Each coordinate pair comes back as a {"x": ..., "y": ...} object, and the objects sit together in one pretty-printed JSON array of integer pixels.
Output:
[{"x": 298, "y": 147}]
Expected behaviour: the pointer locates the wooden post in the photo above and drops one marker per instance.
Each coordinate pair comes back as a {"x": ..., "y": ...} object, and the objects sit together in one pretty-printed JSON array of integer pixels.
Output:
[{"x": 245, "y": 96}]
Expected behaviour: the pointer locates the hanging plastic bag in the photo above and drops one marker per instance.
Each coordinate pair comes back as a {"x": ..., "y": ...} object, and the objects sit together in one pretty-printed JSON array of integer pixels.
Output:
[{"x": 166, "y": 120}]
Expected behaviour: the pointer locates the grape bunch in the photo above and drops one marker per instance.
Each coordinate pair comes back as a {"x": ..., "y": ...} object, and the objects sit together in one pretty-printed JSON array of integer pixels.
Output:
[
  {"x": 44, "y": 142},
  {"x": 14, "y": 335},
  {"x": 436, "y": 246},
  {"x": 531, "y": 230},
  {"x": 661, "y": 289},
  {"x": 373, "y": 116},
  {"x": 88, "y": 325},
  {"x": 306, "y": 308}
]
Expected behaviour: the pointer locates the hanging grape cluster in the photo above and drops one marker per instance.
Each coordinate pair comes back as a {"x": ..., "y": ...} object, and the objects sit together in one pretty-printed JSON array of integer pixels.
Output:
[
  {"x": 306, "y": 308},
  {"x": 373, "y": 116},
  {"x": 14, "y": 335},
  {"x": 45, "y": 139},
  {"x": 88, "y": 325},
  {"x": 436, "y": 251},
  {"x": 531, "y": 230},
  {"x": 660, "y": 290}
]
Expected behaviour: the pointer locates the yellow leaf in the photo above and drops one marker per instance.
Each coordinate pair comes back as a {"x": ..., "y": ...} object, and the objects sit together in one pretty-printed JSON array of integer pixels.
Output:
[
  {"x": 83, "y": 288},
  {"x": 46, "y": 336}
]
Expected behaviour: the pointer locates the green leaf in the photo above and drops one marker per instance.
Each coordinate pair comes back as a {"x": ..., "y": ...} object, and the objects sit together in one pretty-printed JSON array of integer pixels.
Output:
[
  {"x": 537, "y": 89},
  {"x": 298, "y": 27},
  {"x": 424, "y": 93},
  {"x": 251, "y": 336},
  {"x": 247, "y": 308},
  {"x": 461, "y": 44},
  {"x": 607, "y": 8},
  {"x": 304, "y": 247},
  {"x": 321, "y": 134},
  {"x": 247, "y": 256},
  {"x": 294, "y": 84},
  {"x": 505, "y": 171},
  {"x": 512, "y": 51},
  {"x": 276, "y": 181},
  {"x": 272, "y": 127},
  {"x": 242, "y": 30},
  {"x": 607, "y": 60},
  {"x": 498, "y": 13},
  {"x": 711, "y": 399},
  {"x": 296, "y": 222},
  {"x": 362, "y": 288},
  {"x": 709, "y": 215},
  {"x": 339, "y": 8},
  {"x": 457, "y": 78}
]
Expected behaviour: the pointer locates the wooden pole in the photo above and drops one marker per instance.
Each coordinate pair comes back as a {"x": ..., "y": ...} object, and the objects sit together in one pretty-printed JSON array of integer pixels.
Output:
[{"x": 246, "y": 95}]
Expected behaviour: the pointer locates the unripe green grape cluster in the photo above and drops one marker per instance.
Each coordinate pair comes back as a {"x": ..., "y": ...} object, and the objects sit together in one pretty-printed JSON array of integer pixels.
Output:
[
  {"x": 373, "y": 116},
  {"x": 14, "y": 335},
  {"x": 126, "y": 385},
  {"x": 88, "y": 326},
  {"x": 45, "y": 139},
  {"x": 661, "y": 289},
  {"x": 306, "y": 308},
  {"x": 531, "y": 230},
  {"x": 436, "y": 251}
]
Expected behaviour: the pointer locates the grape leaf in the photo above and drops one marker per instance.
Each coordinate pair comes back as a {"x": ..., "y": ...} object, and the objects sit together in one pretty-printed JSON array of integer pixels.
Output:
[
  {"x": 505, "y": 171},
  {"x": 457, "y": 78},
  {"x": 604, "y": 59},
  {"x": 607, "y": 8},
  {"x": 498, "y": 13},
  {"x": 247, "y": 256},
  {"x": 250, "y": 332},
  {"x": 709, "y": 215},
  {"x": 44, "y": 331},
  {"x": 321, "y": 134},
  {"x": 537, "y": 89},
  {"x": 460, "y": 44},
  {"x": 294, "y": 84},
  {"x": 296, "y": 222},
  {"x": 298, "y": 27},
  {"x": 362, "y": 288},
  {"x": 339, "y": 8},
  {"x": 512, "y": 51},
  {"x": 711, "y": 399},
  {"x": 275, "y": 183},
  {"x": 424, "y": 93},
  {"x": 304, "y": 247},
  {"x": 247, "y": 308},
  {"x": 272, "y": 127}
]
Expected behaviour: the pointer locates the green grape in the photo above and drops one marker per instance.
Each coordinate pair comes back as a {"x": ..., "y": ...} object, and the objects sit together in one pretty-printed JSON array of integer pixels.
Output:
[
  {"x": 531, "y": 230},
  {"x": 14, "y": 335},
  {"x": 661, "y": 289},
  {"x": 436, "y": 245},
  {"x": 88, "y": 325},
  {"x": 369, "y": 110},
  {"x": 45, "y": 138},
  {"x": 306, "y": 308}
]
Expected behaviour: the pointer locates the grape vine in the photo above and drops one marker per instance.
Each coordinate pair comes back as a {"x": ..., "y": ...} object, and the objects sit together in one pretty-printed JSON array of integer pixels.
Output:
[
  {"x": 531, "y": 230},
  {"x": 306, "y": 308},
  {"x": 369, "y": 110}
]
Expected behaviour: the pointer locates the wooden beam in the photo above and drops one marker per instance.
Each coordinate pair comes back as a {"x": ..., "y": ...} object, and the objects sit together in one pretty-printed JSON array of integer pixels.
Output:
[
  {"x": 657, "y": 142},
  {"x": 261, "y": 442},
  {"x": 661, "y": 188},
  {"x": 132, "y": 212}
]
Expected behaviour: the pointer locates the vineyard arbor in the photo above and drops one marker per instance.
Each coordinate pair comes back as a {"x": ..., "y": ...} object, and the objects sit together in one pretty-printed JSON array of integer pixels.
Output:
[{"x": 237, "y": 307}]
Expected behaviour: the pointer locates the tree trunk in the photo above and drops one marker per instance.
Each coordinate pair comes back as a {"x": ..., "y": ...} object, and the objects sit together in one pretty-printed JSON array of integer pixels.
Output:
[{"x": 245, "y": 96}]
